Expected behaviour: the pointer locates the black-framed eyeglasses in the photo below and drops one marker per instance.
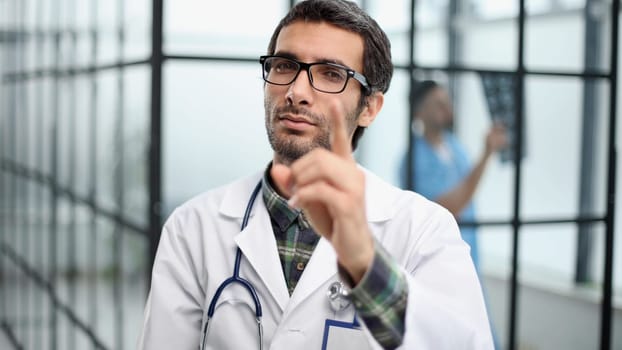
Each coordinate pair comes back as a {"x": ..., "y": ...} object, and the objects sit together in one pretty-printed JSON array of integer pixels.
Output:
[{"x": 326, "y": 77}]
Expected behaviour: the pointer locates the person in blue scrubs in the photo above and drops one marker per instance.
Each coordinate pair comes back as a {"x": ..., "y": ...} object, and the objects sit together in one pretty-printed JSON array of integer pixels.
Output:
[{"x": 442, "y": 170}]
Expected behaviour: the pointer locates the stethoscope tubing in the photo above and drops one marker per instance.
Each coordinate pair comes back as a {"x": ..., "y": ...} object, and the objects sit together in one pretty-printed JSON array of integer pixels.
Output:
[
  {"x": 235, "y": 278},
  {"x": 335, "y": 293}
]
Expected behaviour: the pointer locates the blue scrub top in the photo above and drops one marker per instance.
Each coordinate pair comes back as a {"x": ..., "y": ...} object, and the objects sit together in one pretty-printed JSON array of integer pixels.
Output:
[{"x": 434, "y": 177}]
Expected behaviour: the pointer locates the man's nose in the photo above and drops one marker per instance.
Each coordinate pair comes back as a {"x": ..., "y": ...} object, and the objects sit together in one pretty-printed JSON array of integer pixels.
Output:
[{"x": 300, "y": 91}]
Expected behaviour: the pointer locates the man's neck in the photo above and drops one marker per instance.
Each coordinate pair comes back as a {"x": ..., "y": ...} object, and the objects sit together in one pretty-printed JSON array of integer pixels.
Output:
[{"x": 433, "y": 136}]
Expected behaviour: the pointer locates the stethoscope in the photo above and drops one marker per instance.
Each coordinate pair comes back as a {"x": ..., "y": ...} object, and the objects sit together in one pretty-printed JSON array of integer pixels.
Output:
[{"x": 338, "y": 296}]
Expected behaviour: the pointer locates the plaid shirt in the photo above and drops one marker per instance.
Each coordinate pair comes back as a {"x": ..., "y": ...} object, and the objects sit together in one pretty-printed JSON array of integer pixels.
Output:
[
  {"x": 380, "y": 297},
  {"x": 295, "y": 239}
]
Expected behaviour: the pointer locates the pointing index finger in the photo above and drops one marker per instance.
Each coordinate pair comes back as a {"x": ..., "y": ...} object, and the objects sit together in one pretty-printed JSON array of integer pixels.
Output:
[{"x": 340, "y": 142}]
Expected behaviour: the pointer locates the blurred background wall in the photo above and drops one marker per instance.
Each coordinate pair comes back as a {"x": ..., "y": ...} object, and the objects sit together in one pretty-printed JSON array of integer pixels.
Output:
[{"x": 114, "y": 112}]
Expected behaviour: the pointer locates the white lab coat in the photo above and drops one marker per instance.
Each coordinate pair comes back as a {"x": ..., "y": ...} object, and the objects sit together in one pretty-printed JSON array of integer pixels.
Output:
[{"x": 197, "y": 252}]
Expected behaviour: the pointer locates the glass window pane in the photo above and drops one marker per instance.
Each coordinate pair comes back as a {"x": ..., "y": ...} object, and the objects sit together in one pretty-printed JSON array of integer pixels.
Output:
[
  {"x": 29, "y": 26},
  {"x": 106, "y": 266},
  {"x": 31, "y": 115},
  {"x": 66, "y": 131},
  {"x": 495, "y": 248},
  {"x": 83, "y": 24},
  {"x": 47, "y": 121},
  {"x": 393, "y": 17},
  {"x": 213, "y": 114},
  {"x": 71, "y": 139},
  {"x": 553, "y": 162},
  {"x": 21, "y": 122},
  {"x": 220, "y": 28},
  {"x": 431, "y": 46},
  {"x": 486, "y": 42},
  {"x": 549, "y": 298},
  {"x": 492, "y": 9},
  {"x": 431, "y": 38},
  {"x": 472, "y": 121},
  {"x": 136, "y": 140},
  {"x": 383, "y": 145},
  {"x": 107, "y": 26},
  {"x": 83, "y": 134},
  {"x": 430, "y": 13},
  {"x": 64, "y": 235},
  {"x": 557, "y": 40},
  {"x": 83, "y": 235},
  {"x": 137, "y": 24},
  {"x": 107, "y": 150},
  {"x": 134, "y": 287}
]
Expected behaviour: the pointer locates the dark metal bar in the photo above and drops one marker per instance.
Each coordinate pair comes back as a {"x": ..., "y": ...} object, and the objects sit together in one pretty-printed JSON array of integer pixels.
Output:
[
  {"x": 455, "y": 68},
  {"x": 595, "y": 74},
  {"x": 589, "y": 136},
  {"x": 292, "y": 3},
  {"x": 39, "y": 196},
  {"x": 25, "y": 316},
  {"x": 586, "y": 219},
  {"x": 93, "y": 296},
  {"x": 8, "y": 331},
  {"x": 606, "y": 306},
  {"x": 411, "y": 110},
  {"x": 71, "y": 234},
  {"x": 4, "y": 188},
  {"x": 48, "y": 181},
  {"x": 19, "y": 230},
  {"x": 453, "y": 44},
  {"x": 520, "y": 103},
  {"x": 49, "y": 288},
  {"x": 12, "y": 153},
  {"x": 155, "y": 152},
  {"x": 68, "y": 72},
  {"x": 37, "y": 74},
  {"x": 117, "y": 286},
  {"x": 212, "y": 58},
  {"x": 55, "y": 195}
]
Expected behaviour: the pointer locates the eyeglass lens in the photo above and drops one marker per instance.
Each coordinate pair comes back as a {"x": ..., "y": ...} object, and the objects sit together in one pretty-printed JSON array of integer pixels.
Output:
[{"x": 323, "y": 76}]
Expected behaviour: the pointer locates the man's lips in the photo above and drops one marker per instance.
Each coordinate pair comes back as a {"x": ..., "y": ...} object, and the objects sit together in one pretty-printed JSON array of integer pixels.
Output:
[
  {"x": 296, "y": 122},
  {"x": 295, "y": 119}
]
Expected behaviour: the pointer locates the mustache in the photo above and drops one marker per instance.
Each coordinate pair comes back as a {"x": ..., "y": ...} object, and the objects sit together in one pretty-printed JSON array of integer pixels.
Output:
[{"x": 314, "y": 118}]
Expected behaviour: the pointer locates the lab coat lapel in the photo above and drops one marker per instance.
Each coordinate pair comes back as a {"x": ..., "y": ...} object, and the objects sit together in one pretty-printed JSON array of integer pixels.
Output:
[
  {"x": 321, "y": 267},
  {"x": 258, "y": 245}
]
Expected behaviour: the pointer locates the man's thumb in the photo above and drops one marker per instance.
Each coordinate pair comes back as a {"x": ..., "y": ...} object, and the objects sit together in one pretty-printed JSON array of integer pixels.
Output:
[{"x": 282, "y": 179}]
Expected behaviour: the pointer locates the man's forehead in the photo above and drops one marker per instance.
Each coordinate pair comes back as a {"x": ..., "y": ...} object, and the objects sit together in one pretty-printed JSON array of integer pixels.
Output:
[{"x": 321, "y": 42}]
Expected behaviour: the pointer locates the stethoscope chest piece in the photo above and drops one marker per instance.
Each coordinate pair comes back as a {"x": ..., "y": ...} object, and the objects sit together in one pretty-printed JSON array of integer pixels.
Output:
[{"x": 338, "y": 296}]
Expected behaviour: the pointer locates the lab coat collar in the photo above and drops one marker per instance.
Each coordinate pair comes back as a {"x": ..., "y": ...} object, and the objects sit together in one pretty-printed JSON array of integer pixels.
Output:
[
  {"x": 379, "y": 197},
  {"x": 237, "y": 195},
  {"x": 258, "y": 245}
]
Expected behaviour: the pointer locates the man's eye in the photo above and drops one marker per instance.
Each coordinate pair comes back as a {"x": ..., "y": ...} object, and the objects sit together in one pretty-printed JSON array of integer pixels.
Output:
[
  {"x": 332, "y": 73},
  {"x": 284, "y": 67}
]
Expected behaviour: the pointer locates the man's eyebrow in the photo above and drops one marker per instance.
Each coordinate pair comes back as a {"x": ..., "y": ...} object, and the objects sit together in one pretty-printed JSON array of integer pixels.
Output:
[
  {"x": 332, "y": 60},
  {"x": 293, "y": 56},
  {"x": 286, "y": 54}
]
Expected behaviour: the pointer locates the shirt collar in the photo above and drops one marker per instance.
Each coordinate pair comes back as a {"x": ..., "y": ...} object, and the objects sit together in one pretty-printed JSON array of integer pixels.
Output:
[{"x": 277, "y": 206}]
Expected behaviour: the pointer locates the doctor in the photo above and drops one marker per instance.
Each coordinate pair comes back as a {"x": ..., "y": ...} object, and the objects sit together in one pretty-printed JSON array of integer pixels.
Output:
[{"x": 315, "y": 252}]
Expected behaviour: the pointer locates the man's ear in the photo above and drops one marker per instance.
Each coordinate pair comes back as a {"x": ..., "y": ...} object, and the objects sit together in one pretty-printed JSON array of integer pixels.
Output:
[{"x": 373, "y": 105}]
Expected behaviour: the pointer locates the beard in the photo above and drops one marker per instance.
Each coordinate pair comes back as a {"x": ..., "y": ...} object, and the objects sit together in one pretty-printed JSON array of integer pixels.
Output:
[{"x": 287, "y": 146}]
